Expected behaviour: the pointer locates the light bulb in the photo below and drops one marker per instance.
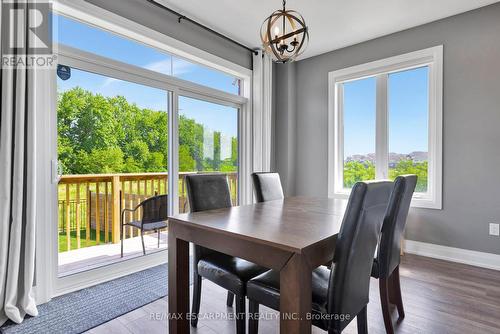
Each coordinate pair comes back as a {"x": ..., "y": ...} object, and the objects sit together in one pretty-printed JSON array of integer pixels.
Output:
[{"x": 276, "y": 31}]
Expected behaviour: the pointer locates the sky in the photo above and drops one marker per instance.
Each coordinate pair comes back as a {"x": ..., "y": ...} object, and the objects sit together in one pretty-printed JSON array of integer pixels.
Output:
[
  {"x": 214, "y": 117},
  {"x": 408, "y": 113}
]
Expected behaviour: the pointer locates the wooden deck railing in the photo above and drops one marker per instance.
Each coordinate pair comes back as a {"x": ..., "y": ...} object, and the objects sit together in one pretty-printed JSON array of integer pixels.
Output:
[{"x": 90, "y": 205}]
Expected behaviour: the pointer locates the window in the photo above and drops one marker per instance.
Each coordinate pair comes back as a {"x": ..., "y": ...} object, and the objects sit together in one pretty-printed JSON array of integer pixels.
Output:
[
  {"x": 385, "y": 120},
  {"x": 98, "y": 41}
]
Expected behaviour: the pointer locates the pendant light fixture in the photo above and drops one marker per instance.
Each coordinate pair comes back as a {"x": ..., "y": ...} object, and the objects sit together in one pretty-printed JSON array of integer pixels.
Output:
[{"x": 284, "y": 35}]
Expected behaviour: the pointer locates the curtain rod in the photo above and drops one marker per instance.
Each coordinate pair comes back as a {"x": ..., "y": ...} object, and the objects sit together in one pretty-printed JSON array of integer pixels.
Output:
[{"x": 181, "y": 17}]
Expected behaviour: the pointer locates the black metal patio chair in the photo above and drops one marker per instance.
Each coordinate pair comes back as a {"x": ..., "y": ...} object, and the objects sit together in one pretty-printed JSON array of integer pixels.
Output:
[{"x": 154, "y": 218}]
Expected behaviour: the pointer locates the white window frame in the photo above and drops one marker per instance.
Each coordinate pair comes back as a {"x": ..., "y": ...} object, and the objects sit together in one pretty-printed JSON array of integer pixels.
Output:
[
  {"x": 380, "y": 69},
  {"x": 47, "y": 283}
]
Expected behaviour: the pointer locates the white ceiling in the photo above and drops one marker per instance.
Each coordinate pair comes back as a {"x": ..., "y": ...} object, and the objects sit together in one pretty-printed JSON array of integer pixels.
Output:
[{"x": 333, "y": 24}]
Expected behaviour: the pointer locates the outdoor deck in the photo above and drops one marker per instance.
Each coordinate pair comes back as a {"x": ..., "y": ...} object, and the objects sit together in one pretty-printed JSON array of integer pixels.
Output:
[
  {"x": 83, "y": 259},
  {"x": 90, "y": 207}
]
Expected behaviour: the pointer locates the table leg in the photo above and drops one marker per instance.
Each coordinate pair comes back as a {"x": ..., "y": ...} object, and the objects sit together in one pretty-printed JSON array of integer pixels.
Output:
[
  {"x": 178, "y": 284},
  {"x": 295, "y": 296}
]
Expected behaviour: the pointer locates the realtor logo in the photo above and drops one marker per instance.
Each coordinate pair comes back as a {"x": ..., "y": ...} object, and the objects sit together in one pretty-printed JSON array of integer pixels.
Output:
[{"x": 27, "y": 33}]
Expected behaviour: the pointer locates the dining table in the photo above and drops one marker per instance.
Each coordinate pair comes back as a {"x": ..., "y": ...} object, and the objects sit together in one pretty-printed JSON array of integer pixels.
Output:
[{"x": 294, "y": 236}]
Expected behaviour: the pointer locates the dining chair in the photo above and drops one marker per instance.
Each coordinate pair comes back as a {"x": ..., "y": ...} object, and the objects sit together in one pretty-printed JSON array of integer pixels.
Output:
[
  {"x": 267, "y": 186},
  {"x": 154, "y": 212},
  {"x": 209, "y": 192},
  {"x": 339, "y": 294},
  {"x": 386, "y": 264}
]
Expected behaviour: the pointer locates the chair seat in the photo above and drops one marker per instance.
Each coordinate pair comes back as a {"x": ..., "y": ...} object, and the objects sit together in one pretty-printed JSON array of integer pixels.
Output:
[
  {"x": 149, "y": 226},
  {"x": 229, "y": 272},
  {"x": 265, "y": 289}
]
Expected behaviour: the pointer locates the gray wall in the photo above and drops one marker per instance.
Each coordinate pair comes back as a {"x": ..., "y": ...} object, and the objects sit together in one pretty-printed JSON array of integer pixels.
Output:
[
  {"x": 160, "y": 20},
  {"x": 471, "y": 180},
  {"x": 285, "y": 124}
]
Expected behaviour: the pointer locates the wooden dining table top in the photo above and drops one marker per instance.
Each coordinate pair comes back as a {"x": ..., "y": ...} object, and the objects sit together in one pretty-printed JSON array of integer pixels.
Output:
[{"x": 292, "y": 224}]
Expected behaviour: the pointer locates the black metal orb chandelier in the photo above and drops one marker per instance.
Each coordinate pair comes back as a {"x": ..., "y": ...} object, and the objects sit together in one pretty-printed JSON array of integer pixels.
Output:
[{"x": 284, "y": 35}]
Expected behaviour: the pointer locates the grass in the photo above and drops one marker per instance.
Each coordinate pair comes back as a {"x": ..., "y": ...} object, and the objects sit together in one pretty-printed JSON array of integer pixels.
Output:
[{"x": 83, "y": 239}]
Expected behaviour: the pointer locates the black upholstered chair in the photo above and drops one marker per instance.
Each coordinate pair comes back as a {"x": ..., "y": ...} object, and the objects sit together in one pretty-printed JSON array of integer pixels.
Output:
[
  {"x": 209, "y": 192},
  {"x": 386, "y": 264},
  {"x": 339, "y": 294},
  {"x": 267, "y": 186},
  {"x": 154, "y": 218}
]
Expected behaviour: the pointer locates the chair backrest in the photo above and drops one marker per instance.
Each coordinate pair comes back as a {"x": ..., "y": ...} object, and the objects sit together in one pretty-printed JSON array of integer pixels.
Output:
[
  {"x": 389, "y": 249},
  {"x": 267, "y": 186},
  {"x": 154, "y": 209},
  {"x": 208, "y": 192},
  {"x": 348, "y": 291}
]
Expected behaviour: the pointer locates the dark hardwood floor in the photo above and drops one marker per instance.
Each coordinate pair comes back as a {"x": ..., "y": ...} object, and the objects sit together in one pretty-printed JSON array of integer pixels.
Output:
[{"x": 439, "y": 297}]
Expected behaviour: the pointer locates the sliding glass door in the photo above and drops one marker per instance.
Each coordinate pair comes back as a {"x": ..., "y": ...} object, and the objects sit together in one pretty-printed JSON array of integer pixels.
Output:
[{"x": 132, "y": 121}]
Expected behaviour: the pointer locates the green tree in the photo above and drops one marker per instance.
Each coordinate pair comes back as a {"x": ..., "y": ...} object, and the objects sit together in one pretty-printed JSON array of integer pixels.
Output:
[
  {"x": 98, "y": 134},
  {"x": 216, "y": 160},
  {"x": 191, "y": 137},
  {"x": 231, "y": 164},
  {"x": 408, "y": 166},
  {"x": 186, "y": 161},
  {"x": 355, "y": 171},
  {"x": 99, "y": 161}
]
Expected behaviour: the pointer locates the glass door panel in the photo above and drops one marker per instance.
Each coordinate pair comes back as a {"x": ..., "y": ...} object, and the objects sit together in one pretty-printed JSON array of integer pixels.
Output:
[
  {"x": 208, "y": 143},
  {"x": 113, "y": 151}
]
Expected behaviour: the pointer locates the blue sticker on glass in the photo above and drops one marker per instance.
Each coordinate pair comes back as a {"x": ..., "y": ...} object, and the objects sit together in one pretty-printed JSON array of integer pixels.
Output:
[{"x": 63, "y": 72}]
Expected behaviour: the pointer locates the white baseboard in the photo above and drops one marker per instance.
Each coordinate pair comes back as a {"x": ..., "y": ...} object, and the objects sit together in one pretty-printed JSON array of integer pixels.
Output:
[{"x": 459, "y": 255}]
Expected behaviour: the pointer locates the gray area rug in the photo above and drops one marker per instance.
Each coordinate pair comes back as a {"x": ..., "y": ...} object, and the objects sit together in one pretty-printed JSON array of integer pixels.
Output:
[{"x": 82, "y": 310}]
